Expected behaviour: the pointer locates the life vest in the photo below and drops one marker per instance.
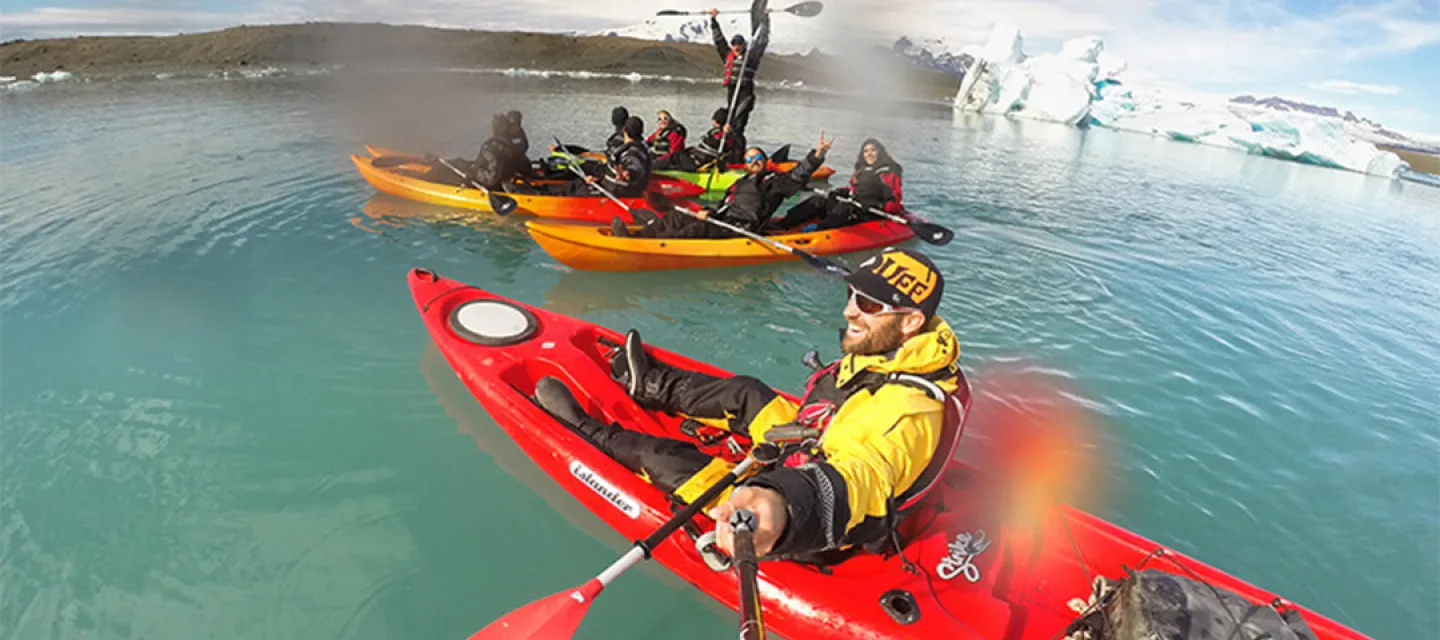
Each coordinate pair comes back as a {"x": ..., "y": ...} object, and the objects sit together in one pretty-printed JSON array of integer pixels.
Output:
[
  {"x": 822, "y": 401},
  {"x": 730, "y": 65},
  {"x": 660, "y": 140},
  {"x": 708, "y": 149},
  {"x": 869, "y": 186}
]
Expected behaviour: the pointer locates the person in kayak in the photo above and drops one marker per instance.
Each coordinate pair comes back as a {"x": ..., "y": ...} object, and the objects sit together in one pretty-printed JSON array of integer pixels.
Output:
[
  {"x": 493, "y": 168},
  {"x": 668, "y": 137},
  {"x": 554, "y": 167},
  {"x": 881, "y": 409},
  {"x": 518, "y": 140},
  {"x": 701, "y": 155},
  {"x": 877, "y": 182},
  {"x": 740, "y": 67},
  {"x": 626, "y": 172},
  {"x": 618, "y": 117},
  {"x": 748, "y": 203}
]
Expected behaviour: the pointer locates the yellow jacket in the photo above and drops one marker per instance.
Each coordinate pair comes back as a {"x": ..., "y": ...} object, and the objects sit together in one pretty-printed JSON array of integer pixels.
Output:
[{"x": 877, "y": 444}]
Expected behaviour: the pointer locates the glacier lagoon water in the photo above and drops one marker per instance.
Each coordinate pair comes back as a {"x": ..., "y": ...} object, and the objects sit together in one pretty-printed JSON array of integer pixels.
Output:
[{"x": 220, "y": 416}]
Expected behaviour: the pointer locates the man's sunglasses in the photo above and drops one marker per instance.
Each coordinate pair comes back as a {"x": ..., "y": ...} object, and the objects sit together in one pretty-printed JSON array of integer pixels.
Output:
[
  {"x": 872, "y": 307},
  {"x": 755, "y": 157}
]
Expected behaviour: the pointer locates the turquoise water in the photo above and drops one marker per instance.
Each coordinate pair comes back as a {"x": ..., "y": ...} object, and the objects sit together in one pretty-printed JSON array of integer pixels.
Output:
[{"x": 220, "y": 415}]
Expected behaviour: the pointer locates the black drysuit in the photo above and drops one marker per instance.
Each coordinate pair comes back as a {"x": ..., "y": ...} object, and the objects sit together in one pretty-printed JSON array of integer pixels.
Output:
[
  {"x": 748, "y": 204},
  {"x": 634, "y": 157},
  {"x": 739, "y": 79}
]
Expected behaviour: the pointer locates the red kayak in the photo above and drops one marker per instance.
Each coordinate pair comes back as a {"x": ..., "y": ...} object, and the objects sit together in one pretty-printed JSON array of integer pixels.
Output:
[{"x": 970, "y": 580}]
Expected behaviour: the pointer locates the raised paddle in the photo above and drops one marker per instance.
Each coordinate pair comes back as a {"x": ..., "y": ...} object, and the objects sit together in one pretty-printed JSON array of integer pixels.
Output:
[
  {"x": 803, "y": 10},
  {"x": 730, "y": 113},
  {"x": 743, "y": 523},
  {"x": 500, "y": 203},
  {"x": 662, "y": 203},
  {"x": 556, "y": 617},
  {"x": 928, "y": 232}
]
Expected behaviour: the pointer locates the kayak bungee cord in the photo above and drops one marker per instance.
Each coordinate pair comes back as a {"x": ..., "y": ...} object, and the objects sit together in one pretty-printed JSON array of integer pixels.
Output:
[{"x": 1158, "y": 552}]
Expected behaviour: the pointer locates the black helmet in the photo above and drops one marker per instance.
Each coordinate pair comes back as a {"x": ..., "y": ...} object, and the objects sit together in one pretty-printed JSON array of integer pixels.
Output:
[
  {"x": 738, "y": 39},
  {"x": 618, "y": 116}
]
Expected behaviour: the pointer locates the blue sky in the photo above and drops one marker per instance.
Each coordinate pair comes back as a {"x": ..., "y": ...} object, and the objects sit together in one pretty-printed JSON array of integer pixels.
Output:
[{"x": 1379, "y": 58}]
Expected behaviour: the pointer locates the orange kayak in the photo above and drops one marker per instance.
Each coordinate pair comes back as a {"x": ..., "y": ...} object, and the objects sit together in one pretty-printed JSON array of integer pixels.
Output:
[
  {"x": 407, "y": 181},
  {"x": 594, "y": 248}
]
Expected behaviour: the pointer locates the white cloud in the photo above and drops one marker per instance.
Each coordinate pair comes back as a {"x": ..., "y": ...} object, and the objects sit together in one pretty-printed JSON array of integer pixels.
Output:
[
  {"x": 1218, "y": 46},
  {"x": 1351, "y": 88}
]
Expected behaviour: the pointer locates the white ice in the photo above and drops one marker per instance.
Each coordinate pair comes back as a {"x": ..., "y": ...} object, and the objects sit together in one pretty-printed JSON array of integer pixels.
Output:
[{"x": 1079, "y": 85}]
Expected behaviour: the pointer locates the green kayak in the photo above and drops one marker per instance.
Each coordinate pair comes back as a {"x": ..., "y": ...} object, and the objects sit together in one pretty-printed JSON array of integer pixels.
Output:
[{"x": 718, "y": 181}]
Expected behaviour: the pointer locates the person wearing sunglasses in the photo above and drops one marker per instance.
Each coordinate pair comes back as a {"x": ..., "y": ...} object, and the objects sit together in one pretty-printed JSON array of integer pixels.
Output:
[
  {"x": 878, "y": 415},
  {"x": 697, "y": 158},
  {"x": 748, "y": 203},
  {"x": 877, "y": 182},
  {"x": 668, "y": 138}
]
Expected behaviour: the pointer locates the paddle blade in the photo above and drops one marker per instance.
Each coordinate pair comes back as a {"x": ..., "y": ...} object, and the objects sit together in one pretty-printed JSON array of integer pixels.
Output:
[
  {"x": 829, "y": 268},
  {"x": 806, "y": 9},
  {"x": 781, "y": 155},
  {"x": 502, "y": 204},
  {"x": 671, "y": 12},
  {"x": 552, "y": 618},
  {"x": 932, "y": 233}
]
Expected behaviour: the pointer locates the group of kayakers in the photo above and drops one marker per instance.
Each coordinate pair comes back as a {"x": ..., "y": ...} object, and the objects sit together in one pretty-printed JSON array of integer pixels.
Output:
[
  {"x": 881, "y": 407},
  {"x": 838, "y": 472}
]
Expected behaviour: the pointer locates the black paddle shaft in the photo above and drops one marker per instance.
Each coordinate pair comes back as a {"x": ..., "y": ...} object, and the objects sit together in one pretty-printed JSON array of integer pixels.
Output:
[
  {"x": 803, "y": 10},
  {"x": 743, "y": 523},
  {"x": 684, "y": 515}
]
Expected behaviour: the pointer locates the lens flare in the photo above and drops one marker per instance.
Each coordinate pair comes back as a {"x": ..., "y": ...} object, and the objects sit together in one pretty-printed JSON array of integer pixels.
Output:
[{"x": 1033, "y": 443}]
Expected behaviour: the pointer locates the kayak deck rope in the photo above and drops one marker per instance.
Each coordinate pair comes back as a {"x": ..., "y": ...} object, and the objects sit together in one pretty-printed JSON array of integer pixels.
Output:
[
  {"x": 1100, "y": 599},
  {"x": 426, "y": 306}
]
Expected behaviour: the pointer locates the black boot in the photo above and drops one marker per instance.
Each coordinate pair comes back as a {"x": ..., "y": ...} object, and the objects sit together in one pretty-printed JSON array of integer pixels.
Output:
[
  {"x": 555, "y": 398},
  {"x": 617, "y": 228},
  {"x": 636, "y": 363}
]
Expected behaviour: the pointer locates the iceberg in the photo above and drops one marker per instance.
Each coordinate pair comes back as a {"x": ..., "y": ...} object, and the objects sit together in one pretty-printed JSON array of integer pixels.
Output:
[
  {"x": 1080, "y": 86},
  {"x": 1057, "y": 87}
]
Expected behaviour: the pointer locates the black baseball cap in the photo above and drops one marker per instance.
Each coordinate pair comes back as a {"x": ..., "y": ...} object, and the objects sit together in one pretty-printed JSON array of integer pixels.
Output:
[{"x": 902, "y": 278}]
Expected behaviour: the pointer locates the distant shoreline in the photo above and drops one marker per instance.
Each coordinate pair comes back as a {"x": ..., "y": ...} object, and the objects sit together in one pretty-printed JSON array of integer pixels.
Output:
[
  {"x": 357, "y": 45},
  {"x": 1418, "y": 161}
]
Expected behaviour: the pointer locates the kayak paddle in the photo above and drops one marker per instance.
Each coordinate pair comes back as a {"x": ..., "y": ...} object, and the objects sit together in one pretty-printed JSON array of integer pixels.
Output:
[
  {"x": 931, "y": 233},
  {"x": 556, "y": 617},
  {"x": 575, "y": 167},
  {"x": 803, "y": 10},
  {"x": 752, "y": 627},
  {"x": 660, "y": 202},
  {"x": 781, "y": 155},
  {"x": 721, "y": 159},
  {"x": 501, "y": 203}
]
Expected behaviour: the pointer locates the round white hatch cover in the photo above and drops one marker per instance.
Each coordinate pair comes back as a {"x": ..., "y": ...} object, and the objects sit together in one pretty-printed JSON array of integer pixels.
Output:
[{"x": 492, "y": 322}]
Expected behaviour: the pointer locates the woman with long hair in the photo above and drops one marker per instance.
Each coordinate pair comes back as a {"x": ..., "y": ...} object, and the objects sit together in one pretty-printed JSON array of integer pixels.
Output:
[{"x": 877, "y": 182}]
